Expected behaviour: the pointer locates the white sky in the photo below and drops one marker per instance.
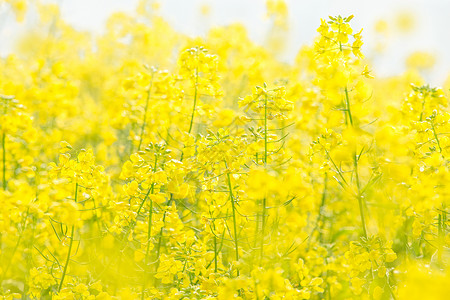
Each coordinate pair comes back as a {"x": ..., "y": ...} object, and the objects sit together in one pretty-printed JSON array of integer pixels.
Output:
[{"x": 431, "y": 31}]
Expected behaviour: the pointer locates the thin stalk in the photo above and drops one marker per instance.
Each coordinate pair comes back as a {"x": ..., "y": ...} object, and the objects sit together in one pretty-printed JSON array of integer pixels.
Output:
[
  {"x": 423, "y": 109},
  {"x": 4, "y": 159},
  {"x": 322, "y": 204},
  {"x": 67, "y": 259},
  {"x": 335, "y": 166},
  {"x": 256, "y": 289},
  {"x": 150, "y": 215},
  {"x": 17, "y": 245},
  {"x": 256, "y": 227},
  {"x": 158, "y": 247},
  {"x": 355, "y": 165},
  {"x": 347, "y": 101},
  {"x": 142, "y": 204},
  {"x": 195, "y": 97},
  {"x": 436, "y": 137},
  {"x": 442, "y": 219},
  {"x": 234, "y": 215},
  {"x": 263, "y": 227},
  {"x": 215, "y": 254},
  {"x": 149, "y": 91},
  {"x": 359, "y": 196},
  {"x": 390, "y": 289},
  {"x": 263, "y": 220},
  {"x": 265, "y": 130},
  {"x": 5, "y": 110},
  {"x": 194, "y": 106},
  {"x": 213, "y": 229},
  {"x": 70, "y": 246}
]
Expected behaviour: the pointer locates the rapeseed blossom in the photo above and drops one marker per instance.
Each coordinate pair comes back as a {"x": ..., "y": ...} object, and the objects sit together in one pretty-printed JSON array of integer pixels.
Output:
[{"x": 146, "y": 164}]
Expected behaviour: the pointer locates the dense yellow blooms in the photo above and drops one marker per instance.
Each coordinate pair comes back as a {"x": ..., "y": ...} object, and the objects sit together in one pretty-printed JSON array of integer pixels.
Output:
[{"x": 145, "y": 164}]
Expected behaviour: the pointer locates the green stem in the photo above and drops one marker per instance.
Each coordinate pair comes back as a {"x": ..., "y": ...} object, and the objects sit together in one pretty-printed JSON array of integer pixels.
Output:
[
  {"x": 194, "y": 105},
  {"x": 215, "y": 254},
  {"x": 158, "y": 248},
  {"x": 390, "y": 289},
  {"x": 263, "y": 227},
  {"x": 335, "y": 166},
  {"x": 76, "y": 192},
  {"x": 145, "y": 112},
  {"x": 67, "y": 259},
  {"x": 265, "y": 130},
  {"x": 142, "y": 203},
  {"x": 234, "y": 215},
  {"x": 322, "y": 204},
  {"x": 195, "y": 97},
  {"x": 423, "y": 109},
  {"x": 256, "y": 227},
  {"x": 355, "y": 164},
  {"x": 70, "y": 246},
  {"x": 347, "y": 101},
  {"x": 359, "y": 196},
  {"x": 441, "y": 234},
  {"x": 436, "y": 137},
  {"x": 16, "y": 246},
  {"x": 4, "y": 159},
  {"x": 150, "y": 215},
  {"x": 263, "y": 220}
]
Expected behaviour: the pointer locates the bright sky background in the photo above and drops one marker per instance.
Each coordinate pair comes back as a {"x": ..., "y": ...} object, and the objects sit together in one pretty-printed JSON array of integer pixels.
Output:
[{"x": 431, "y": 31}]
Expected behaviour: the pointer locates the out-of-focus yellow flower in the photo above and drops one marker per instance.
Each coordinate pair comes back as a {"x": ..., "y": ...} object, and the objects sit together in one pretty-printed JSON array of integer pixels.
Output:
[
  {"x": 19, "y": 8},
  {"x": 278, "y": 9},
  {"x": 405, "y": 21},
  {"x": 381, "y": 26},
  {"x": 421, "y": 60}
]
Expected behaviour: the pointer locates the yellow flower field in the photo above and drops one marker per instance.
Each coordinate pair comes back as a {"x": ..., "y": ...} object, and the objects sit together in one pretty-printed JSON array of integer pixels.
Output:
[{"x": 147, "y": 164}]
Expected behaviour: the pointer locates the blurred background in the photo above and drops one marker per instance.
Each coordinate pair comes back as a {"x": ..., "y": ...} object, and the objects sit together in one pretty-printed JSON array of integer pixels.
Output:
[{"x": 397, "y": 34}]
